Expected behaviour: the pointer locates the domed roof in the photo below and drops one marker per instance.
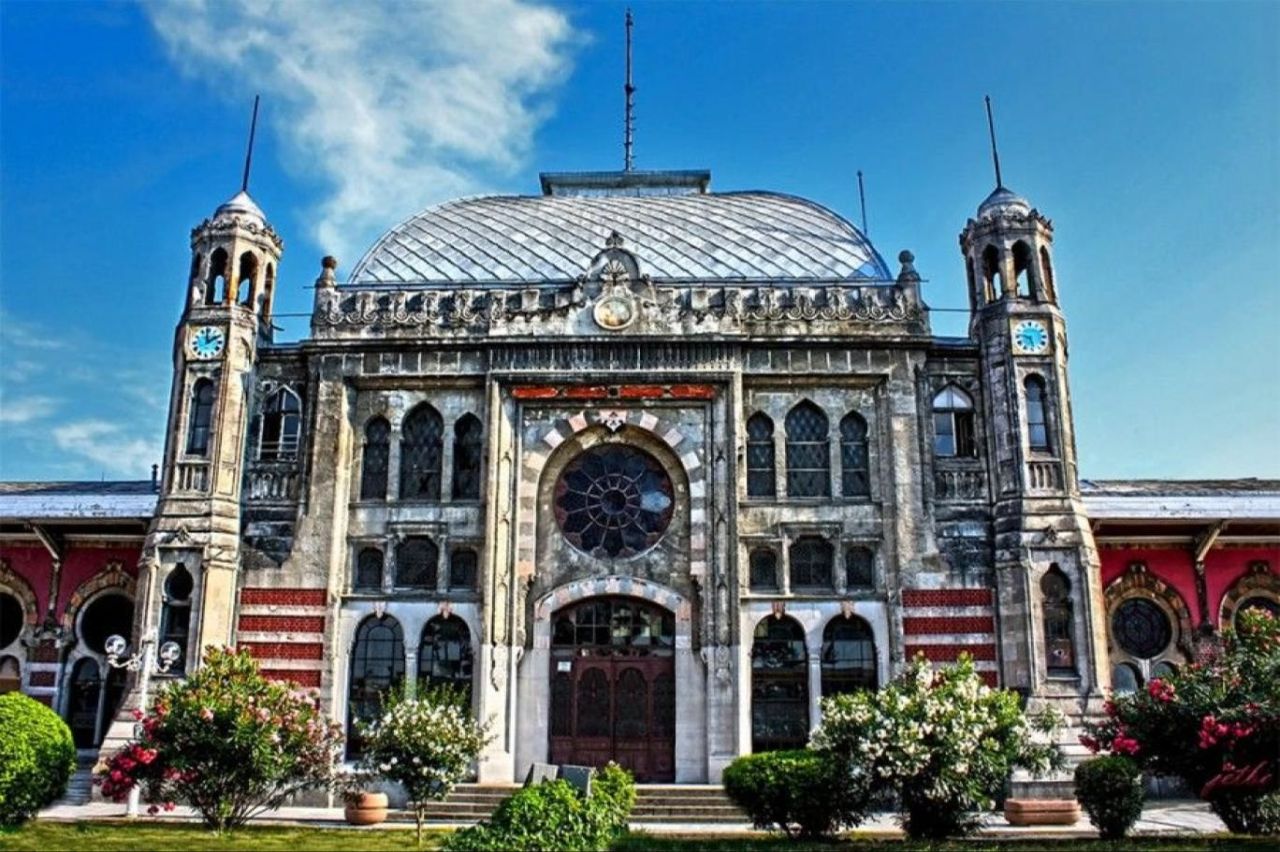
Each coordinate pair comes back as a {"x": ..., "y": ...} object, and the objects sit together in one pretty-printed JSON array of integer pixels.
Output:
[
  {"x": 700, "y": 236},
  {"x": 1003, "y": 200},
  {"x": 240, "y": 204}
]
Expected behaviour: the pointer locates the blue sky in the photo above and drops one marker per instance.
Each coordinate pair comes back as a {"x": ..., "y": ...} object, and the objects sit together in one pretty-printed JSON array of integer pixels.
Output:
[{"x": 1149, "y": 133}]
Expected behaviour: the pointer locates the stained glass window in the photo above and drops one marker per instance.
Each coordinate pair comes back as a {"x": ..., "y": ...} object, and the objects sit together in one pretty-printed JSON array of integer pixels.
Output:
[
  {"x": 854, "y": 477},
  {"x": 416, "y": 567},
  {"x": 420, "y": 454},
  {"x": 376, "y": 460},
  {"x": 760, "y": 457},
  {"x": 848, "y": 656},
  {"x": 467, "y": 449},
  {"x": 764, "y": 569},
  {"x": 1141, "y": 628},
  {"x": 613, "y": 501},
  {"x": 811, "y": 559},
  {"x": 808, "y": 458}
]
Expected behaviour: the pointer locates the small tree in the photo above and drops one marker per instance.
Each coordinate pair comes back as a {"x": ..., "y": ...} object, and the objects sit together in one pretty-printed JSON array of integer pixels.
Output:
[
  {"x": 227, "y": 741},
  {"x": 425, "y": 743},
  {"x": 1110, "y": 791},
  {"x": 942, "y": 740}
]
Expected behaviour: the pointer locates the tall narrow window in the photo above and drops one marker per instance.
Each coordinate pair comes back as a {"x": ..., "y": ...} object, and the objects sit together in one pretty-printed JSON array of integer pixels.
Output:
[
  {"x": 764, "y": 569},
  {"x": 281, "y": 425},
  {"x": 420, "y": 454},
  {"x": 848, "y": 656},
  {"x": 811, "y": 559},
  {"x": 416, "y": 564},
  {"x": 854, "y": 477},
  {"x": 462, "y": 569},
  {"x": 377, "y": 668},
  {"x": 244, "y": 281},
  {"x": 859, "y": 568},
  {"x": 215, "y": 290},
  {"x": 760, "y": 462},
  {"x": 953, "y": 423},
  {"x": 1055, "y": 589},
  {"x": 992, "y": 275},
  {"x": 268, "y": 287},
  {"x": 1037, "y": 426},
  {"x": 779, "y": 685},
  {"x": 444, "y": 656},
  {"x": 368, "y": 576},
  {"x": 375, "y": 460},
  {"x": 175, "y": 622},
  {"x": 201, "y": 418},
  {"x": 1022, "y": 268},
  {"x": 1046, "y": 270},
  {"x": 808, "y": 457},
  {"x": 467, "y": 450}
]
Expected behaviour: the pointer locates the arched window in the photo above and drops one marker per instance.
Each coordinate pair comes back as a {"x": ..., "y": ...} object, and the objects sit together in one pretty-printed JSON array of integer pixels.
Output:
[
  {"x": 855, "y": 479},
  {"x": 848, "y": 656},
  {"x": 196, "y": 260},
  {"x": 175, "y": 622},
  {"x": 368, "y": 577},
  {"x": 12, "y": 618},
  {"x": 764, "y": 569},
  {"x": 1258, "y": 603},
  {"x": 467, "y": 450},
  {"x": 859, "y": 568},
  {"x": 1141, "y": 628},
  {"x": 953, "y": 423},
  {"x": 416, "y": 564},
  {"x": 1037, "y": 425},
  {"x": 992, "y": 275},
  {"x": 808, "y": 458},
  {"x": 463, "y": 562},
  {"x": 779, "y": 685},
  {"x": 377, "y": 668},
  {"x": 1022, "y": 268},
  {"x": 811, "y": 559},
  {"x": 1125, "y": 679},
  {"x": 760, "y": 462},
  {"x": 420, "y": 454},
  {"x": 215, "y": 290},
  {"x": 200, "y": 422},
  {"x": 376, "y": 459},
  {"x": 10, "y": 675},
  {"x": 244, "y": 281},
  {"x": 281, "y": 424},
  {"x": 1046, "y": 270},
  {"x": 83, "y": 699},
  {"x": 1059, "y": 649},
  {"x": 444, "y": 655}
]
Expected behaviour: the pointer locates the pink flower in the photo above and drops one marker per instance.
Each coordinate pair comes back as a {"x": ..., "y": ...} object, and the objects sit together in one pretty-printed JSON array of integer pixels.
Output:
[
  {"x": 1124, "y": 745},
  {"x": 206, "y": 714},
  {"x": 1161, "y": 690},
  {"x": 137, "y": 715},
  {"x": 153, "y": 810},
  {"x": 1090, "y": 743},
  {"x": 168, "y": 806}
]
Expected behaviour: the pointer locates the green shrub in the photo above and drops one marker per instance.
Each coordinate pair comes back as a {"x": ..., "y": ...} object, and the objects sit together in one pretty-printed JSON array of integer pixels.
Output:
[
  {"x": 37, "y": 757},
  {"x": 553, "y": 815},
  {"x": 805, "y": 793},
  {"x": 1110, "y": 791}
]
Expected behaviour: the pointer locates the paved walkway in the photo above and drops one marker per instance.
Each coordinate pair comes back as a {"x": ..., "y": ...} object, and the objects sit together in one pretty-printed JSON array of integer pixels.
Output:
[{"x": 1170, "y": 817}]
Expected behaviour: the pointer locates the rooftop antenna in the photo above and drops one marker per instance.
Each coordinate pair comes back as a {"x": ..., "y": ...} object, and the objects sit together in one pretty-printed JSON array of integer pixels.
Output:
[
  {"x": 862, "y": 199},
  {"x": 630, "y": 91},
  {"x": 995, "y": 155},
  {"x": 248, "y": 156}
]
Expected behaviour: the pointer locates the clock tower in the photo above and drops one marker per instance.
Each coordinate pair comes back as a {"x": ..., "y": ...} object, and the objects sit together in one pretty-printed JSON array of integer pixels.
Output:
[{"x": 1052, "y": 619}]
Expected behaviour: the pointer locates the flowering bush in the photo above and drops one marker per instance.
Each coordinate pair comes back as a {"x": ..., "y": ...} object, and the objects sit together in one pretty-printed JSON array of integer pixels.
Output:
[
  {"x": 227, "y": 741},
  {"x": 1215, "y": 724},
  {"x": 425, "y": 743},
  {"x": 37, "y": 757},
  {"x": 942, "y": 740}
]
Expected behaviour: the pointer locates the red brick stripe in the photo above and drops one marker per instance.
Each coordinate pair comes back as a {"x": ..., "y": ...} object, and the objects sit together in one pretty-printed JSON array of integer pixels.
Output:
[
  {"x": 283, "y": 623},
  {"x": 285, "y": 650},
  {"x": 640, "y": 392},
  {"x": 951, "y": 653},
  {"x": 990, "y": 678},
  {"x": 525, "y": 392},
  {"x": 946, "y": 597},
  {"x": 970, "y": 624},
  {"x": 284, "y": 597},
  {"x": 693, "y": 391},
  {"x": 588, "y": 392},
  {"x": 311, "y": 679},
  {"x": 42, "y": 678}
]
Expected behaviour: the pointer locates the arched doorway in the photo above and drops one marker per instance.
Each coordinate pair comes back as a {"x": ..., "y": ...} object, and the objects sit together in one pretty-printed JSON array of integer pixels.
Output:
[
  {"x": 96, "y": 688},
  {"x": 613, "y": 687}
]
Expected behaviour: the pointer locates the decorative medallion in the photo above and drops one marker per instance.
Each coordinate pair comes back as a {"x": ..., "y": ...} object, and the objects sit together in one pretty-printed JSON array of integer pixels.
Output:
[
  {"x": 207, "y": 342},
  {"x": 1030, "y": 337},
  {"x": 615, "y": 310},
  {"x": 614, "y": 501}
]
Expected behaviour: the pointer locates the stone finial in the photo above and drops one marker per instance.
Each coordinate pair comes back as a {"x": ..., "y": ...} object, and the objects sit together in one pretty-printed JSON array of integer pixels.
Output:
[
  {"x": 327, "y": 278},
  {"x": 908, "y": 271}
]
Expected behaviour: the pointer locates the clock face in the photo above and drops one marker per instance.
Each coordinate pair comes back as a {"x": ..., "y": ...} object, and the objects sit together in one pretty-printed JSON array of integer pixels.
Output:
[
  {"x": 615, "y": 312},
  {"x": 1030, "y": 337},
  {"x": 207, "y": 342}
]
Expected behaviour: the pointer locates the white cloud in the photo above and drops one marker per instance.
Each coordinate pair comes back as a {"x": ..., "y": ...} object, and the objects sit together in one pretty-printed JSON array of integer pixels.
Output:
[
  {"x": 110, "y": 446},
  {"x": 26, "y": 408},
  {"x": 396, "y": 105}
]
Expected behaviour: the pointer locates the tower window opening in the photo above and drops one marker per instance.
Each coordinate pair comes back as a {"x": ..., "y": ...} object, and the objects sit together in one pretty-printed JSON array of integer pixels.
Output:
[
  {"x": 760, "y": 457},
  {"x": 245, "y": 280},
  {"x": 200, "y": 424},
  {"x": 1022, "y": 268},
  {"x": 268, "y": 287},
  {"x": 1046, "y": 272},
  {"x": 176, "y": 617},
  {"x": 1059, "y": 649},
  {"x": 281, "y": 426},
  {"x": 1037, "y": 424},
  {"x": 953, "y": 433},
  {"x": 467, "y": 452},
  {"x": 216, "y": 288},
  {"x": 376, "y": 459},
  {"x": 992, "y": 277},
  {"x": 196, "y": 260},
  {"x": 808, "y": 457}
]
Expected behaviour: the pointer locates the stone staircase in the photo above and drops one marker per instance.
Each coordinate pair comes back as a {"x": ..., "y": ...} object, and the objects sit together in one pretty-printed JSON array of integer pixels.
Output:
[
  {"x": 655, "y": 803},
  {"x": 80, "y": 785}
]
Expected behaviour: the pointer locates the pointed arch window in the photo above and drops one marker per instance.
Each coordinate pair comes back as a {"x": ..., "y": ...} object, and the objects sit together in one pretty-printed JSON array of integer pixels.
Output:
[
  {"x": 376, "y": 459},
  {"x": 811, "y": 558},
  {"x": 1055, "y": 592},
  {"x": 1022, "y": 268},
  {"x": 200, "y": 427},
  {"x": 215, "y": 290},
  {"x": 444, "y": 655},
  {"x": 244, "y": 281},
  {"x": 859, "y": 568},
  {"x": 1046, "y": 271},
  {"x": 1037, "y": 422},
  {"x": 992, "y": 276},
  {"x": 467, "y": 450},
  {"x": 855, "y": 479},
  {"x": 848, "y": 656},
  {"x": 420, "y": 454},
  {"x": 268, "y": 288},
  {"x": 281, "y": 426},
  {"x": 808, "y": 457},
  {"x": 175, "y": 622},
  {"x": 953, "y": 423},
  {"x": 761, "y": 481},
  {"x": 764, "y": 569},
  {"x": 368, "y": 577},
  {"x": 377, "y": 668},
  {"x": 417, "y": 561}
]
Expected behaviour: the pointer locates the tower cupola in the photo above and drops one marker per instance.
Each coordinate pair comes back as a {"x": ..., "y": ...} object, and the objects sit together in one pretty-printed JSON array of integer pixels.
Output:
[{"x": 234, "y": 258}]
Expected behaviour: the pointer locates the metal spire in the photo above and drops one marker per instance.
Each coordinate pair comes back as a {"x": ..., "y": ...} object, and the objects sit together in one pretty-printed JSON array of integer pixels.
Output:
[
  {"x": 862, "y": 199},
  {"x": 995, "y": 155},
  {"x": 248, "y": 156},
  {"x": 628, "y": 120}
]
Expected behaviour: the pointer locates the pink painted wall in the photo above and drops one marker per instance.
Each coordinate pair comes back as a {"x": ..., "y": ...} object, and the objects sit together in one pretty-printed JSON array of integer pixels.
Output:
[
  {"x": 79, "y": 564},
  {"x": 1223, "y": 566}
]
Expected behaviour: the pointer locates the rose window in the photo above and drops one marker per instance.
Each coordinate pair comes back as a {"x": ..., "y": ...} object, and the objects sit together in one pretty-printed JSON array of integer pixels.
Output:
[
  {"x": 1141, "y": 628},
  {"x": 613, "y": 501}
]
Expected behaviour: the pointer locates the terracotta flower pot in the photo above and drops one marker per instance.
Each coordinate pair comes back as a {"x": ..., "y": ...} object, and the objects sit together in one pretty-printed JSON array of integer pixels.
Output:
[{"x": 366, "y": 808}]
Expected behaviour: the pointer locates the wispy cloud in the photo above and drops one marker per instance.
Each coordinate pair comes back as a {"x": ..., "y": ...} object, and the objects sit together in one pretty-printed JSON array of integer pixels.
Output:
[
  {"x": 114, "y": 449},
  {"x": 24, "y": 409},
  {"x": 396, "y": 105}
]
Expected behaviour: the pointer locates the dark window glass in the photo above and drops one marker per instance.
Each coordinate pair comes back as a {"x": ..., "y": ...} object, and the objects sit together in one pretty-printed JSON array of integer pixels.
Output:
[
  {"x": 420, "y": 454},
  {"x": 613, "y": 501},
  {"x": 201, "y": 417},
  {"x": 281, "y": 425},
  {"x": 1164, "y": 668},
  {"x": 760, "y": 461},
  {"x": 848, "y": 656},
  {"x": 107, "y": 615},
  {"x": 467, "y": 450},
  {"x": 779, "y": 686},
  {"x": 631, "y": 702},
  {"x": 1037, "y": 427},
  {"x": 617, "y": 623},
  {"x": 377, "y": 667},
  {"x": 376, "y": 460},
  {"x": 444, "y": 655},
  {"x": 808, "y": 459},
  {"x": 855, "y": 479},
  {"x": 1059, "y": 648},
  {"x": 416, "y": 564},
  {"x": 1125, "y": 679},
  {"x": 462, "y": 568},
  {"x": 368, "y": 570},
  {"x": 176, "y": 619},
  {"x": 1141, "y": 628},
  {"x": 859, "y": 568},
  {"x": 811, "y": 559},
  {"x": 11, "y": 619},
  {"x": 764, "y": 569},
  {"x": 593, "y": 704},
  {"x": 953, "y": 424}
]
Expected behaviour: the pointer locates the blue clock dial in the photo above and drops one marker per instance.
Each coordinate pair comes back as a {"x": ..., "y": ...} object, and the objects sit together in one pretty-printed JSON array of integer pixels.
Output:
[
  {"x": 207, "y": 342},
  {"x": 1031, "y": 337}
]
